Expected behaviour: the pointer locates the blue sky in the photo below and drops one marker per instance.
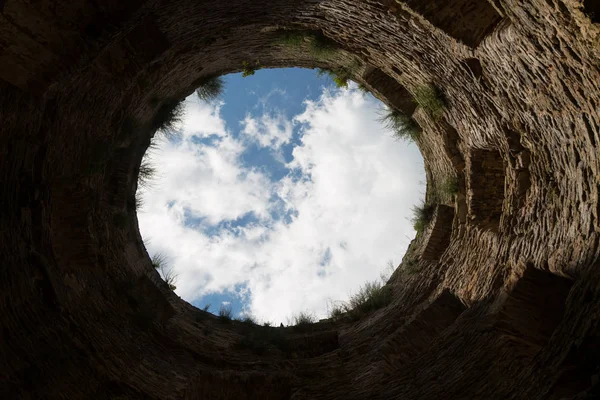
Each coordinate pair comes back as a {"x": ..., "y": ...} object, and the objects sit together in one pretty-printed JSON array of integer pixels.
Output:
[{"x": 282, "y": 196}]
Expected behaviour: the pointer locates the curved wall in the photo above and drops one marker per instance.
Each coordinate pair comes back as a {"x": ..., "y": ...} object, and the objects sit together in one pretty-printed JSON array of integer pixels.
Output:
[{"x": 84, "y": 314}]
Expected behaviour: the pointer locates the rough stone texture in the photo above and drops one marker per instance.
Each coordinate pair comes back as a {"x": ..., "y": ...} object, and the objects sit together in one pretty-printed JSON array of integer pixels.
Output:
[
  {"x": 437, "y": 236},
  {"x": 468, "y": 21},
  {"x": 84, "y": 314},
  {"x": 387, "y": 89},
  {"x": 486, "y": 180}
]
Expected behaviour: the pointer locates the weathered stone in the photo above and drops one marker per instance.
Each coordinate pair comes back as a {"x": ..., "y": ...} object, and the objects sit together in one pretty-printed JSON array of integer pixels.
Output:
[
  {"x": 468, "y": 21},
  {"x": 437, "y": 236},
  {"x": 486, "y": 310}
]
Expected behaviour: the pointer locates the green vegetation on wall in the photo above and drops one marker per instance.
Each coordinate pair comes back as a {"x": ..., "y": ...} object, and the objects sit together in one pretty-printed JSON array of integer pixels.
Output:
[
  {"x": 431, "y": 99},
  {"x": 210, "y": 89},
  {"x": 403, "y": 126}
]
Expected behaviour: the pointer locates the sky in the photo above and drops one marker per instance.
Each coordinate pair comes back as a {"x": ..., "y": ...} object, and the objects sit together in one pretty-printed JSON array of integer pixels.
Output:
[{"x": 282, "y": 196}]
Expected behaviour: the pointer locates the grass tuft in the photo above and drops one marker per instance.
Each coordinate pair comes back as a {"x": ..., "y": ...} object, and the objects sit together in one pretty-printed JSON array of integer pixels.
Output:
[
  {"x": 158, "y": 260},
  {"x": 248, "y": 319},
  {"x": 431, "y": 99},
  {"x": 146, "y": 173},
  {"x": 363, "y": 88},
  {"x": 337, "y": 311},
  {"x": 422, "y": 215},
  {"x": 225, "y": 313},
  {"x": 303, "y": 319},
  {"x": 168, "y": 116},
  {"x": 248, "y": 70},
  {"x": 403, "y": 126},
  {"x": 370, "y": 297},
  {"x": 210, "y": 89},
  {"x": 340, "y": 77},
  {"x": 160, "y": 263},
  {"x": 321, "y": 47},
  {"x": 411, "y": 266},
  {"x": 138, "y": 202},
  {"x": 450, "y": 186}
]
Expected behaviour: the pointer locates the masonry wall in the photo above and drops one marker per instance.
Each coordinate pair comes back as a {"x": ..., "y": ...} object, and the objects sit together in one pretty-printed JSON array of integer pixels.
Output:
[
  {"x": 468, "y": 21},
  {"x": 438, "y": 234},
  {"x": 486, "y": 183}
]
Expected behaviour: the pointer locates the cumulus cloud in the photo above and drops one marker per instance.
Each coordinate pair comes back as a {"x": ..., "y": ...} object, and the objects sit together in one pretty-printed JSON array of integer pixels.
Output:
[
  {"x": 203, "y": 120},
  {"x": 205, "y": 178},
  {"x": 328, "y": 226},
  {"x": 268, "y": 130}
]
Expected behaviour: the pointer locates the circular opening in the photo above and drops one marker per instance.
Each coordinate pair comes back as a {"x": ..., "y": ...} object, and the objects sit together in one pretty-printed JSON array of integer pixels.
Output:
[{"x": 279, "y": 194}]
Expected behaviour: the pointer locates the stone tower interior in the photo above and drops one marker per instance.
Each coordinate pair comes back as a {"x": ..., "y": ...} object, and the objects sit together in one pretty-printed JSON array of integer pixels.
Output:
[{"x": 504, "y": 301}]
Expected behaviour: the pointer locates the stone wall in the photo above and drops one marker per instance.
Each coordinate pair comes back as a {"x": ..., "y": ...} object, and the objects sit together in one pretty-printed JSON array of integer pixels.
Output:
[
  {"x": 535, "y": 306},
  {"x": 416, "y": 336},
  {"x": 468, "y": 21},
  {"x": 389, "y": 90},
  {"x": 438, "y": 233},
  {"x": 486, "y": 184},
  {"x": 85, "y": 315}
]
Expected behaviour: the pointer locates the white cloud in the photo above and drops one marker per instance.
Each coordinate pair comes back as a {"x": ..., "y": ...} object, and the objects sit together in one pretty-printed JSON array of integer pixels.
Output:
[
  {"x": 206, "y": 179},
  {"x": 268, "y": 130},
  {"x": 202, "y": 120},
  {"x": 349, "y": 198}
]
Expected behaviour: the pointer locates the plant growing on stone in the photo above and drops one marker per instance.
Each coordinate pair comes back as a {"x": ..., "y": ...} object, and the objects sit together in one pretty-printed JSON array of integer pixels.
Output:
[
  {"x": 431, "y": 99},
  {"x": 138, "y": 201},
  {"x": 248, "y": 319},
  {"x": 411, "y": 266},
  {"x": 293, "y": 38},
  {"x": 248, "y": 69},
  {"x": 403, "y": 126},
  {"x": 160, "y": 263},
  {"x": 363, "y": 88},
  {"x": 337, "y": 311},
  {"x": 225, "y": 313},
  {"x": 146, "y": 173},
  {"x": 321, "y": 47},
  {"x": 370, "y": 297},
  {"x": 210, "y": 89},
  {"x": 450, "y": 186},
  {"x": 387, "y": 272},
  {"x": 170, "y": 277},
  {"x": 303, "y": 318},
  {"x": 168, "y": 116},
  {"x": 339, "y": 76},
  {"x": 158, "y": 260},
  {"x": 422, "y": 215}
]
